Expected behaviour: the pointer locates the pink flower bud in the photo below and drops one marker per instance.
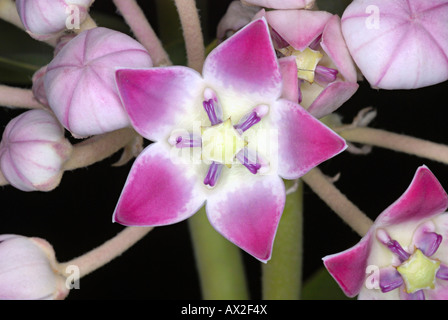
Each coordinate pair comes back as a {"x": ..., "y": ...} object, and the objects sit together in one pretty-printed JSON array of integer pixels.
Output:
[
  {"x": 39, "y": 87},
  {"x": 27, "y": 270},
  {"x": 44, "y": 18},
  {"x": 33, "y": 150},
  {"x": 398, "y": 44},
  {"x": 80, "y": 81}
]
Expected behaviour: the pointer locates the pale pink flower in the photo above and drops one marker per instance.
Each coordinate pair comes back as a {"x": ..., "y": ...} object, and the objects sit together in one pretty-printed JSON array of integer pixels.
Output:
[{"x": 326, "y": 74}]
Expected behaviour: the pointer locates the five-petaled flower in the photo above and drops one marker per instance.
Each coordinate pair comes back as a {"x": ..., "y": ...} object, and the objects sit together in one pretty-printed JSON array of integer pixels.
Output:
[
  {"x": 239, "y": 136},
  {"x": 407, "y": 245}
]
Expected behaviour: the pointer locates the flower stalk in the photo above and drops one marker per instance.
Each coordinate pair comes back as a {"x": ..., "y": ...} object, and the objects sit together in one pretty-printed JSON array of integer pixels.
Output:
[
  {"x": 282, "y": 275},
  {"x": 397, "y": 142},
  {"x": 337, "y": 201},
  {"x": 105, "y": 253},
  {"x": 194, "y": 39},
  {"x": 98, "y": 148},
  {"x": 18, "y": 98},
  {"x": 140, "y": 26},
  {"x": 219, "y": 262}
]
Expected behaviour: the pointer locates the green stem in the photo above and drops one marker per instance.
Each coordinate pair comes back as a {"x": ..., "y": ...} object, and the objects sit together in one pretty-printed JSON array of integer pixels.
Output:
[
  {"x": 282, "y": 275},
  {"x": 219, "y": 262}
]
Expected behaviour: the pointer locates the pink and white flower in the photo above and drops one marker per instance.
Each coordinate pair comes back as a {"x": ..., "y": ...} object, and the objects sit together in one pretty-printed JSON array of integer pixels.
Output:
[
  {"x": 224, "y": 138},
  {"x": 33, "y": 151},
  {"x": 398, "y": 44},
  {"x": 327, "y": 76},
  {"x": 404, "y": 254},
  {"x": 27, "y": 270},
  {"x": 80, "y": 81}
]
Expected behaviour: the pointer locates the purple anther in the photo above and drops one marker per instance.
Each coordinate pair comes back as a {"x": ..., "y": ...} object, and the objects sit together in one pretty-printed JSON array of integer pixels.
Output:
[
  {"x": 214, "y": 171},
  {"x": 300, "y": 90},
  {"x": 429, "y": 243},
  {"x": 212, "y": 107},
  {"x": 316, "y": 43},
  {"x": 417, "y": 295},
  {"x": 442, "y": 273},
  {"x": 325, "y": 75},
  {"x": 185, "y": 140},
  {"x": 249, "y": 160},
  {"x": 390, "y": 279},
  {"x": 392, "y": 245},
  {"x": 252, "y": 118},
  {"x": 278, "y": 40}
]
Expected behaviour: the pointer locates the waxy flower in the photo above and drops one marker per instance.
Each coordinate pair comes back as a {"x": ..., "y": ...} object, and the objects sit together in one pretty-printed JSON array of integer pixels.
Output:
[
  {"x": 404, "y": 255},
  {"x": 223, "y": 138},
  {"x": 398, "y": 44},
  {"x": 80, "y": 81},
  {"x": 326, "y": 73},
  {"x": 43, "y": 19},
  {"x": 33, "y": 151},
  {"x": 27, "y": 270}
]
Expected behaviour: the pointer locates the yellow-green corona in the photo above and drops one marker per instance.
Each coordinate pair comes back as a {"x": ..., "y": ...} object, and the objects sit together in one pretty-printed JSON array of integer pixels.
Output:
[
  {"x": 221, "y": 143},
  {"x": 419, "y": 272}
]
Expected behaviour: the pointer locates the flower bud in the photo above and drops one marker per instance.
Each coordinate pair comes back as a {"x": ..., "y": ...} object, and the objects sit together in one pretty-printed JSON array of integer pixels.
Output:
[
  {"x": 44, "y": 18},
  {"x": 398, "y": 44},
  {"x": 80, "y": 81},
  {"x": 39, "y": 87},
  {"x": 33, "y": 150},
  {"x": 27, "y": 270}
]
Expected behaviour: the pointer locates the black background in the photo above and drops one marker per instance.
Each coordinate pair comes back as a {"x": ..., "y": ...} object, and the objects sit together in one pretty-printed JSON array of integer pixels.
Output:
[{"x": 76, "y": 216}]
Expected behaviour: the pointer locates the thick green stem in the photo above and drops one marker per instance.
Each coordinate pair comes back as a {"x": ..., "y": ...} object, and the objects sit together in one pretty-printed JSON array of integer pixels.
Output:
[
  {"x": 282, "y": 275},
  {"x": 219, "y": 262}
]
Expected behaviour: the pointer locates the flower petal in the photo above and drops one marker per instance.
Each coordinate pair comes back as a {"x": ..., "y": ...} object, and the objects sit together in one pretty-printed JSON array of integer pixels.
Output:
[
  {"x": 332, "y": 97},
  {"x": 333, "y": 44},
  {"x": 288, "y": 69},
  {"x": 298, "y": 27},
  {"x": 157, "y": 99},
  {"x": 246, "y": 210},
  {"x": 423, "y": 199},
  {"x": 303, "y": 141},
  {"x": 245, "y": 65},
  {"x": 348, "y": 267},
  {"x": 158, "y": 191}
]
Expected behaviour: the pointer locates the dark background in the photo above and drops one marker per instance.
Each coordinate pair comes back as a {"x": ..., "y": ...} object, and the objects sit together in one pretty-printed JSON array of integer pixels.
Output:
[{"x": 76, "y": 216}]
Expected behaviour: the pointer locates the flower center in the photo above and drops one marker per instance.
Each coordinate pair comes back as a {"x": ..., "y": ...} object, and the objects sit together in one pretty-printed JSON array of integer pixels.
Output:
[
  {"x": 416, "y": 271},
  {"x": 221, "y": 143},
  {"x": 306, "y": 61},
  {"x": 419, "y": 272}
]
